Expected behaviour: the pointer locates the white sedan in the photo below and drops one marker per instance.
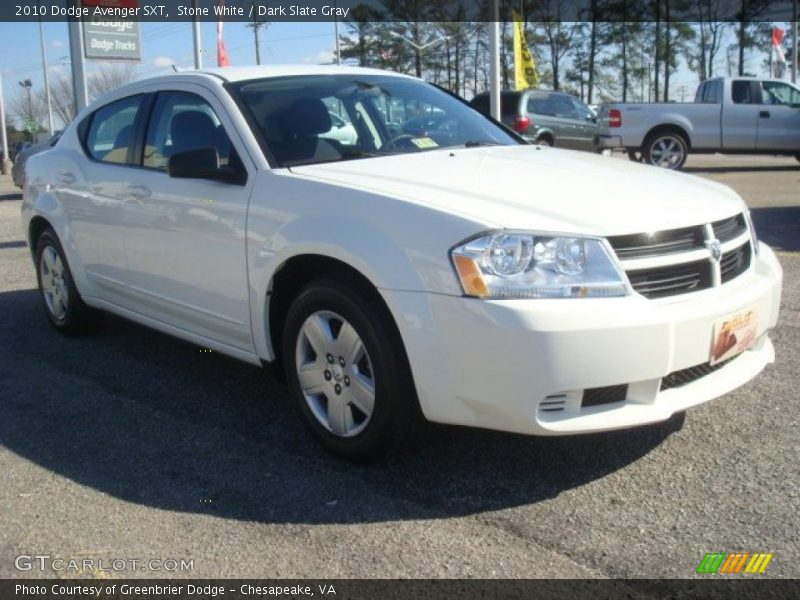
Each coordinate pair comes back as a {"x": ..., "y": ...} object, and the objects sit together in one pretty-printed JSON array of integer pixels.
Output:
[{"x": 467, "y": 278}]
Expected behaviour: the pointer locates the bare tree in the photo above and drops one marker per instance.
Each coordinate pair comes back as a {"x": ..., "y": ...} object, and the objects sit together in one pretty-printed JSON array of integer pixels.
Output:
[
  {"x": 28, "y": 110},
  {"x": 62, "y": 100},
  {"x": 110, "y": 77}
]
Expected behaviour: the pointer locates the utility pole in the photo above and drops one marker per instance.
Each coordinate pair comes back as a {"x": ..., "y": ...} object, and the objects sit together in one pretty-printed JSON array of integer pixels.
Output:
[
  {"x": 5, "y": 167},
  {"x": 794, "y": 41},
  {"x": 494, "y": 61},
  {"x": 198, "y": 59},
  {"x": 76, "y": 59},
  {"x": 50, "y": 128}
]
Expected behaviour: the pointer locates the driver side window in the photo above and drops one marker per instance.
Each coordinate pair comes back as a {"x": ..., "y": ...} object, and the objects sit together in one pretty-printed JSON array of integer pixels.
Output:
[
  {"x": 183, "y": 121},
  {"x": 775, "y": 92}
]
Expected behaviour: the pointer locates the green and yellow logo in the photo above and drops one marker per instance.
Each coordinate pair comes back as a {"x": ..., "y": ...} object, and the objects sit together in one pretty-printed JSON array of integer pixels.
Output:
[{"x": 735, "y": 562}]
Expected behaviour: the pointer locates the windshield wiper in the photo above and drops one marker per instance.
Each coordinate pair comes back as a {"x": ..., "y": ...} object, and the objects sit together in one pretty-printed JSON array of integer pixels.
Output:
[{"x": 477, "y": 143}]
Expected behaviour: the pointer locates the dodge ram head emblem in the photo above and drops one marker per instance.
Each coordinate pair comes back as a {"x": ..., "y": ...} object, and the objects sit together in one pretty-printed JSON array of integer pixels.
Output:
[{"x": 715, "y": 249}]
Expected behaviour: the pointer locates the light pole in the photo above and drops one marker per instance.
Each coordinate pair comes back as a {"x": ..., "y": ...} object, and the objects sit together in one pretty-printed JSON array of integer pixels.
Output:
[
  {"x": 794, "y": 41},
  {"x": 418, "y": 48},
  {"x": 5, "y": 162},
  {"x": 27, "y": 85},
  {"x": 50, "y": 129}
]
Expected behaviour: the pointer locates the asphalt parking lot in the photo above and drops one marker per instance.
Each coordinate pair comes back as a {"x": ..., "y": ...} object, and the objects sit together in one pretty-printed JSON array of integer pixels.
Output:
[{"x": 131, "y": 444}]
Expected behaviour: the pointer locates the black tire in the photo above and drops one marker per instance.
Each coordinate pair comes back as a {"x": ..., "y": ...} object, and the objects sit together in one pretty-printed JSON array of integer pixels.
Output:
[
  {"x": 395, "y": 411},
  {"x": 797, "y": 156},
  {"x": 73, "y": 315},
  {"x": 545, "y": 140},
  {"x": 634, "y": 156},
  {"x": 651, "y": 145}
]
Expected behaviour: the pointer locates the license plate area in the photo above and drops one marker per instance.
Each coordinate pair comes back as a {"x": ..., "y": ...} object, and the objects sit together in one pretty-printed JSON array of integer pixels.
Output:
[{"x": 733, "y": 334}]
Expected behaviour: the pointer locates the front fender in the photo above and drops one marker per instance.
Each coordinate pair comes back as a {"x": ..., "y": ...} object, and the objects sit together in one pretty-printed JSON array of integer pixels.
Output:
[{"x": 396, "y": 245}]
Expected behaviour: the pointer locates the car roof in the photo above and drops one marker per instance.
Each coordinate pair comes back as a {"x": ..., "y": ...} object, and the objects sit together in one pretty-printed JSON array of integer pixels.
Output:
[{"x": 260, "y": 72}]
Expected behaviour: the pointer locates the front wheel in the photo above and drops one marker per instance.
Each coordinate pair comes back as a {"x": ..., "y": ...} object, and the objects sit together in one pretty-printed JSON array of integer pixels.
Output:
[
  {"x": 668, "y": 150},
  {"x": 347, "y": 371}
]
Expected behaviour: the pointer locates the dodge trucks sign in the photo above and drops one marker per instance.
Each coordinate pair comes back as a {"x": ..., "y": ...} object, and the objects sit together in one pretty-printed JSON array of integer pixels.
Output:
[{"x": 112, "y": 39}]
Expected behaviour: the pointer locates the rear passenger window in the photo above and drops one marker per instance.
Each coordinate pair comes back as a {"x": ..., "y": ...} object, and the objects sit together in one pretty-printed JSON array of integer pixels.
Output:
[
  {"x": 111, "y": 132},
  {"x": 710, "y": 95},
  {"x": 741, "y": 92},
  {"x": 182, "y": 121}
]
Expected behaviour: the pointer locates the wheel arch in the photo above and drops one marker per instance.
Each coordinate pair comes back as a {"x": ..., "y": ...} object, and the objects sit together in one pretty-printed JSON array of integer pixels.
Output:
[
  {"x": 296, "y": 272},
  {"x": 674, "y": 128}
]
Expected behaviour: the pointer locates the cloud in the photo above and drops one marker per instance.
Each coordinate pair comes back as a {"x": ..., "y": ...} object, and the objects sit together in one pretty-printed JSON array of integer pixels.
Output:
[
  {"x": 163, "y": 61},
  {"x": 325, "y": 56},
  {"x": 57, "y": 44}
]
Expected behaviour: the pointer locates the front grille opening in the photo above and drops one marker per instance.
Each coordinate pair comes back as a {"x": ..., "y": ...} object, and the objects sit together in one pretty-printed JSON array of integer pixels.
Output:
[
  {"x": 734, "y": 263},
  {"x": 689, "y": 375},
  {"x": 604, "y": 395},
  {"x": 728, "y": 229},
  {"x": 657, "y": 243},
  {"x": 672, "y": 279}
]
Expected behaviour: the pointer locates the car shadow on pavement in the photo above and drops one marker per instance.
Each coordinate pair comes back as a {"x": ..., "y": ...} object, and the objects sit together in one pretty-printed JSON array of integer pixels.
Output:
[
  {"x": 14, "y": 196},
  {"x": 778, "y": 226},
  {"x": 155, "y": 421}
]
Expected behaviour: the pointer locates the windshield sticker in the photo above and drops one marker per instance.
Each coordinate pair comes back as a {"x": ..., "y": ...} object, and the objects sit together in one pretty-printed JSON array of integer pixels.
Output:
[{"x": 424, "y": 142}]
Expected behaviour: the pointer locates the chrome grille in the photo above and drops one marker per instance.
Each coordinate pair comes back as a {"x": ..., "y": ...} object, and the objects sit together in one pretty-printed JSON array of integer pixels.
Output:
[
  {"x": 734, "y": 263},
  {"x": 671, "y": 280},
  {"x": 729, "y": 229},
  {"x": 658, "y": 243},
  {"x": 679, "y": 261}
]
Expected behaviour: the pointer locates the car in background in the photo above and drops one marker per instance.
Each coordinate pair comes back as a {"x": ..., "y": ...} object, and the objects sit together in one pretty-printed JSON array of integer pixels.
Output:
[
  {"x": 546, "y": 118},
  {"x": 21, "y": 159},
  {"x": 736, "y": 115}
]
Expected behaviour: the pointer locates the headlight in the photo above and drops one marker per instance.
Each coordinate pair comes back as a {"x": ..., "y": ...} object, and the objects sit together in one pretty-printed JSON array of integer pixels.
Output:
[{"x": 522, "y": 265}]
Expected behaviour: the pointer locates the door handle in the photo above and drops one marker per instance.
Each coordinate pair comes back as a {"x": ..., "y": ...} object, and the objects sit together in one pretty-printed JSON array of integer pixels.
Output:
[
  {"x": 66, "y": 178},
  {"x": 138, "y": 192},
  {"x": 764, "y": 114}
]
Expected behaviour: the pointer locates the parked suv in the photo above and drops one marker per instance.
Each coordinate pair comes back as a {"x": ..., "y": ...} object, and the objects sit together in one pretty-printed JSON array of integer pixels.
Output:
[{"x": 546, "y": 118}]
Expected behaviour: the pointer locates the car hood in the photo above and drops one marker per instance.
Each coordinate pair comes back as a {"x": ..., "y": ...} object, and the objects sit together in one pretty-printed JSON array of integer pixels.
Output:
[{"x": 546, "y": 189}]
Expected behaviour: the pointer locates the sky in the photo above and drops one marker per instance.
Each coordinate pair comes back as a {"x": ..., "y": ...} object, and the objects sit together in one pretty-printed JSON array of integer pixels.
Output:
[{"x": 167, "y": 44}]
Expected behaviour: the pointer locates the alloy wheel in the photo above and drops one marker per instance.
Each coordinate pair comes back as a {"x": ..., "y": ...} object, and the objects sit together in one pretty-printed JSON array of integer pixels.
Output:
[{"x": 667, "y": 151}]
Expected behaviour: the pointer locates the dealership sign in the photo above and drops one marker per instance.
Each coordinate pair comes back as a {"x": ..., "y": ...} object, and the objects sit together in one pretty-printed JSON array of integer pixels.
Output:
[{"x": 115, "y": 39}]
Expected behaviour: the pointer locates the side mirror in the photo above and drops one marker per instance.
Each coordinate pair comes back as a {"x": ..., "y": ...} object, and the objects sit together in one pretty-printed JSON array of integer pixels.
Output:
[{"x": 202, "y": 163}]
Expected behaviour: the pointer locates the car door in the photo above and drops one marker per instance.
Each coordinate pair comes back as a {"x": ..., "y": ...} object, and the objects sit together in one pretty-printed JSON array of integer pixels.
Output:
[
  {"x": 779, "y": 117},
  {"x": 90, "y": 190},
  {"x": 740, "y": 115},
  {"x": 587, "y": 126},
  {"x": 185, "y": 237}
]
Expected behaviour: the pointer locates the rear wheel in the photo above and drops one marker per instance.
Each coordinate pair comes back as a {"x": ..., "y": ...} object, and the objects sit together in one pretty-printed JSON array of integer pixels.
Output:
[
  {"x": 62, "y": 303},
  {"x": 347, "y": 371},
  {"x": 797, "y": 156},
  {"x": 545, "y": 140},
  {"x": 667, "y": 149},
  {"x": 634, "y": 156}
]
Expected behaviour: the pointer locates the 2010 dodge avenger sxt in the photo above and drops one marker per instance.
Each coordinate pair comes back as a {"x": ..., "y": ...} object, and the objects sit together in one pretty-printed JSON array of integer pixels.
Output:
[{"x": 430, "y": 264}]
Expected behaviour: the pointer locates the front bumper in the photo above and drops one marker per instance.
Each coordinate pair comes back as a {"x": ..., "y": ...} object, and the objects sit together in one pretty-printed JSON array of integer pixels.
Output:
[{"x": 501, "y": 364}]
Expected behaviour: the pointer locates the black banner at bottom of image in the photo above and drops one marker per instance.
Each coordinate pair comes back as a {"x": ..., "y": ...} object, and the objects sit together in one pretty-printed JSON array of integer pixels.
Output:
[{"x": 388, "y": 589}]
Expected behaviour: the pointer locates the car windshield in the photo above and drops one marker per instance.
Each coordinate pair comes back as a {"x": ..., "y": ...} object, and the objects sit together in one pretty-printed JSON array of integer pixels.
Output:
[{"x": 324, "y": 118}]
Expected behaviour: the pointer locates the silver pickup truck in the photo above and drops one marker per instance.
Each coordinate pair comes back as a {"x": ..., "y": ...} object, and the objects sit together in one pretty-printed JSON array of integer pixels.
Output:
[{"x": 730, "y": 115}]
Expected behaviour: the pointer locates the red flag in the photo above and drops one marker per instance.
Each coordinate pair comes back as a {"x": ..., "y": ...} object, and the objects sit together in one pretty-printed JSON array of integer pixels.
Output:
[
  {"x": 777, "y": 36},
  {"x": 222, "y": 53}
]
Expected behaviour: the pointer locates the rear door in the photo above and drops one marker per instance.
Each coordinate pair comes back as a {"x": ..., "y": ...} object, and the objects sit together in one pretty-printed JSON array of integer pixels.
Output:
[
  {"x": 740, "y": 115},
  {"x": 92, "y": 195},
  {"x": 779, "y": 117}
]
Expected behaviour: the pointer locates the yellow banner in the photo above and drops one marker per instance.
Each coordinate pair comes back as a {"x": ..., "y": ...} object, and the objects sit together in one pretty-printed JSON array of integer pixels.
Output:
[{"x": 525, "y": 75}]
